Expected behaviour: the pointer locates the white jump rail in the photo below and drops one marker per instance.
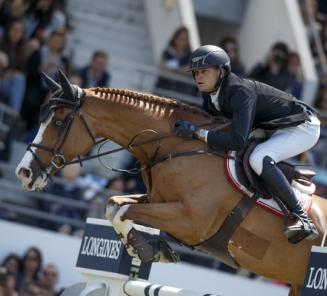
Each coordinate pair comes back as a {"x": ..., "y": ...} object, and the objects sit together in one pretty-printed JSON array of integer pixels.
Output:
[
  {"x": 107, "y": 269},
  {"x": 138, "y": 288}
]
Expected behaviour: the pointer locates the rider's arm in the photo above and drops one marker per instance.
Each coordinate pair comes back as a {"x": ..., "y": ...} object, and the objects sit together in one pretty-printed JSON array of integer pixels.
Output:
[{"x": 242, "y": 105}]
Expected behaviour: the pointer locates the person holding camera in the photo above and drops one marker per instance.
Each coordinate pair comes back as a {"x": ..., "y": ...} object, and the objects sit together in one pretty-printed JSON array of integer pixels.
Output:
[
  {"x": 252, "y": 104},
  {"x": 274, "y": 71}
]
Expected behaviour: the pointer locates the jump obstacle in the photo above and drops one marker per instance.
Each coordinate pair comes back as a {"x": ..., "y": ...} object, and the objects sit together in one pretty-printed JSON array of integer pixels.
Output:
[{"x": 107, "y": 269}]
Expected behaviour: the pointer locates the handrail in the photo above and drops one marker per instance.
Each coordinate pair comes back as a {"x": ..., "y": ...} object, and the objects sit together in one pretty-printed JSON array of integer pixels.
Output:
[
  {"x": 45, "y": 196},
  {"x": 316, "y": 37},
  {"x": 41, "y": 215}
]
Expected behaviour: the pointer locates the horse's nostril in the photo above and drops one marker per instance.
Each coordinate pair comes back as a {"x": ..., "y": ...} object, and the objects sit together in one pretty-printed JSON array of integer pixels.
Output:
[{"x": 25, "y": 172}]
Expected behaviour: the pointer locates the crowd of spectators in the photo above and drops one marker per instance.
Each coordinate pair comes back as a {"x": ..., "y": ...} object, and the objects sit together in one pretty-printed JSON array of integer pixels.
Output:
[
  {"x": 33, "y": 39},
  {"x": 28, "y": 276}
]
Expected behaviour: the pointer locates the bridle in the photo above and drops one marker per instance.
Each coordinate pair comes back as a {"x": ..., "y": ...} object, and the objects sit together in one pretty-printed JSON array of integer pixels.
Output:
[
  {"x": 58, "y": 160},
  {"x": 75, "y": 102}
]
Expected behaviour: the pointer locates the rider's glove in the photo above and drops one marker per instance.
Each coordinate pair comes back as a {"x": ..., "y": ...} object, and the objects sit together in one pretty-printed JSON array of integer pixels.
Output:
[{"x": 187, "y": 129}]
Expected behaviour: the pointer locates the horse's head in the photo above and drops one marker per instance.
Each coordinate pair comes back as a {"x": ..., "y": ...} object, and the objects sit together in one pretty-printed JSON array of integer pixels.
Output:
[{"x": 63, "y": 134}]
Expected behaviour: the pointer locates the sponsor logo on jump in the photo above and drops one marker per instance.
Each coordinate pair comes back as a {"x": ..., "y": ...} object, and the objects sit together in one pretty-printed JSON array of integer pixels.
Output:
[{"x": 101, "y": 247}]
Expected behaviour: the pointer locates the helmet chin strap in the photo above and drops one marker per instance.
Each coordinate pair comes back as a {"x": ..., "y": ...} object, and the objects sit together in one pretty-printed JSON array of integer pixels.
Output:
[{"x": 219, "y": 80}]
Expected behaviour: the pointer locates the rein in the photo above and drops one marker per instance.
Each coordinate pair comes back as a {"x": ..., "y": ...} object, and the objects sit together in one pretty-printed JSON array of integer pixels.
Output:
[{"x": 59, "y": 161}]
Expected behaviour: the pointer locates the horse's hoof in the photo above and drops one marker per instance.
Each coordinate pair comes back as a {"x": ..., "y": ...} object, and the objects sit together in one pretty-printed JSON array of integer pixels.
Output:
[{"x": 167, "y": 254}]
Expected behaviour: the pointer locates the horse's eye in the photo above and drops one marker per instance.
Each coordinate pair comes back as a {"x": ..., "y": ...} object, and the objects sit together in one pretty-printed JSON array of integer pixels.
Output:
[{"x": 58, "y": 123}]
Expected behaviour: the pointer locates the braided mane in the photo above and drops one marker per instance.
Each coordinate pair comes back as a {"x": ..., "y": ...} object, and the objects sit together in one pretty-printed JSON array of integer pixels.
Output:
[{"x": 137, "y": 98}]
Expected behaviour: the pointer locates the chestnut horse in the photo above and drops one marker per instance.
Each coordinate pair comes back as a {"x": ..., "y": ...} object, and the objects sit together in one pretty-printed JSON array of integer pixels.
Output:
[{"x": 187, "y": 197}]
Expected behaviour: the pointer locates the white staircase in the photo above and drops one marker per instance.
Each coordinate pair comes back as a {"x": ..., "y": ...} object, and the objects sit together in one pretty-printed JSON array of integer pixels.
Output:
[{"x": 116, "y": 26}]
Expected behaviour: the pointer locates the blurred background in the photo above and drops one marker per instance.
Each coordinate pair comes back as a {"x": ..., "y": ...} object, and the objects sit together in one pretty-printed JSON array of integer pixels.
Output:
[{"x": 141, "y": 45}]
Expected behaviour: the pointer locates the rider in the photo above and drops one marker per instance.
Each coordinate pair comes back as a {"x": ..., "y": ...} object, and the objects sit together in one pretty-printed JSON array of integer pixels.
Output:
[{"x": 253, "y": 104}]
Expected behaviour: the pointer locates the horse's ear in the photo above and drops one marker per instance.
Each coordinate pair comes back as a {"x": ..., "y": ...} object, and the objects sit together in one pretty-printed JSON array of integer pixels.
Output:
[
  {"x": 51, "y": 84},
  {"x": 66, "y": 86}
]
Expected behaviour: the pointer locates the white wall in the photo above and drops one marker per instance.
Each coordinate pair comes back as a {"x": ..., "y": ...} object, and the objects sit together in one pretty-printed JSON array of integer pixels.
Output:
[
  {"x": 163, "y": 22},
  {"x": 230, "y": 11},
  {"x": 61, "y": 250},
  {"x": 266, "y": 22}
]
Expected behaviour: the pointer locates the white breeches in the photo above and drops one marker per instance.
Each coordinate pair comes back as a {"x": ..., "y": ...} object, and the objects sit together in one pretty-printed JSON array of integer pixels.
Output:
[{"x": 286, "y": 143}]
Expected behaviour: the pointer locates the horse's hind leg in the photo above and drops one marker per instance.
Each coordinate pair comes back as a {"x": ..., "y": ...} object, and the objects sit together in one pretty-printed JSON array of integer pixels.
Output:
[{"x": 295, "y": 291}]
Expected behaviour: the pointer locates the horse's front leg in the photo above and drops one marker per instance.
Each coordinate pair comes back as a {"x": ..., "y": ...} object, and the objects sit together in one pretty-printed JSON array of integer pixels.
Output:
[
  {"x": 115, "y": 202},
  {"x": 169, "y": 217}
]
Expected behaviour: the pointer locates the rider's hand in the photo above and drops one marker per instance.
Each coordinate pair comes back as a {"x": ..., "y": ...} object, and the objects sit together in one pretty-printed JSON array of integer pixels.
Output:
[{"x": 186, "y": 129}]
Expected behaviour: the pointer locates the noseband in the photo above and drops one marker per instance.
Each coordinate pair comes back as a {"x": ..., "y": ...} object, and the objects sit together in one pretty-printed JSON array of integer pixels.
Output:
[{"x": 58, "y": 160}]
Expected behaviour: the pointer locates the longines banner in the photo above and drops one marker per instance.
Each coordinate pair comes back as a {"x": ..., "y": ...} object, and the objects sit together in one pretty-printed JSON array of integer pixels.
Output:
[
  {"x": 101, "y": 249},
  {"x": 316, "y": 278}
]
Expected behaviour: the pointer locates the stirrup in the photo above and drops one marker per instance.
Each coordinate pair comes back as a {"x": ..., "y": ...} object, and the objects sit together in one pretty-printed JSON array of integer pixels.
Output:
[{"x": 303, "y": 228}]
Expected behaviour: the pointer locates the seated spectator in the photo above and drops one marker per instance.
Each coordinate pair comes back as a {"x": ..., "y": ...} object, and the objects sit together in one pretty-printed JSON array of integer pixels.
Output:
[
  {"x": 6, "y": 95},
  {"x": 12, "y": 263},
  {"x": 31, "y": 266},
  {"x": 42, "y": 19},
  {"x": 95, "y": 74},
  {"x": 49, "y": 280},
  {"x": 274, "y": 71},
  {"x": 294, "y": 68},
  {"x": 13, "y": 44},
  {"x": 321, "y": 105},
  {"x": 230, "y": 45},
  {"x": 7, "y": 283},
  {"x": 9, "y": 11},
  {"x": 116, "y": 185},
  {"x": 49, "y": 58},
  {"x": 133, "y": 182},
  {"x": 177, "y": 55},
  {"x": 68, "y": 189},
  {"x": 175, "y": 58}
]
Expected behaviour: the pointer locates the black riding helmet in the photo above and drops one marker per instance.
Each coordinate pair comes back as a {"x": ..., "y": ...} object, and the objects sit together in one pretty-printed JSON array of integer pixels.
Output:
[{"x": 209, "y": 56}]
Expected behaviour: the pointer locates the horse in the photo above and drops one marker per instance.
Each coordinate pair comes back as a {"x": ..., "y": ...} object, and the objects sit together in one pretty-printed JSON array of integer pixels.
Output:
[{"x": 188, "y": 197}]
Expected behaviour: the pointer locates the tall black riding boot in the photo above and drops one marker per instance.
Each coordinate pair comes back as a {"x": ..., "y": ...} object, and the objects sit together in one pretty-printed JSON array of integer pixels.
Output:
[{"x": 302, "y": 227}]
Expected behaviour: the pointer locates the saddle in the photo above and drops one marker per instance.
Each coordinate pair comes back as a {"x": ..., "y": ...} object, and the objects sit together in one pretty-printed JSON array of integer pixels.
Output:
[
  {"x": 299, "y": 178},
  {"x": 244, "y": 179}
]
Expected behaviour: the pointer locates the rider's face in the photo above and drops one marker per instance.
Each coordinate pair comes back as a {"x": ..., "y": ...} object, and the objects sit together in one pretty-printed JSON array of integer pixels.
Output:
[{"x": 206, "y": 79}]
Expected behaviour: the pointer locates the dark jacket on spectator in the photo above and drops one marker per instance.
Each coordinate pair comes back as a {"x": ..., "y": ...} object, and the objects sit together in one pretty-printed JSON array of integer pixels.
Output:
[{"x": 102, "y": 81}]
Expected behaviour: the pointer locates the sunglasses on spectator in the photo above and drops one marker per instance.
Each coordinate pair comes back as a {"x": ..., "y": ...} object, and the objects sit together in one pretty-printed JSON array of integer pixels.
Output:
[{"x": 34, "y": 258}]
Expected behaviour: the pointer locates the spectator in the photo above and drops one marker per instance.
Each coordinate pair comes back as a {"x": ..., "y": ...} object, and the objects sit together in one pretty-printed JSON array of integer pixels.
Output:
[
  {"x": 10, "y": 10},
  {"x": 7, "y": 92},
  {"x": 43, "y": 19},
  {"x": 49, "y": 58},
  {"x": 177, "y": 55},
  {"x": 95, "y": 74},
  {"x": 31, "y": 266},
  {"x": 175, "y": 58},
  {"x": 14, "y": 45},
  {"x": 68, "y": 189},
  {"x": 12, "y": 263},
  {"x": 321, "y": 105},
  {"x": 49, "y": 280},
  {"x": 294, "y": 68},
  {"x": 230, "y": 45},
  {"x": 7, "y": 283},
  {"x": 116, "y": 185},
  {"x": 274, "y": 71}
]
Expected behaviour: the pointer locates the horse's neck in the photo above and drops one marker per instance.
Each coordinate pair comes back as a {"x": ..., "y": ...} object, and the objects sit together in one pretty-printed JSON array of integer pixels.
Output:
[{"x": 121, "y": 122}]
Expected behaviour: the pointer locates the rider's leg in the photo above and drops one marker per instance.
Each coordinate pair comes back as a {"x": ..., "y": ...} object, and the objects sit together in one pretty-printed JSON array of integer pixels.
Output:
[{"x": 283, "y": 144}]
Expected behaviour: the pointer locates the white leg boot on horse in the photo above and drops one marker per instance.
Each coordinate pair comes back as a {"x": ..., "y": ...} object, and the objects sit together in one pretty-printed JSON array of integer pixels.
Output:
[
  {"x": 302, "y": 226},
  {"x": 136, "y": 245}
]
